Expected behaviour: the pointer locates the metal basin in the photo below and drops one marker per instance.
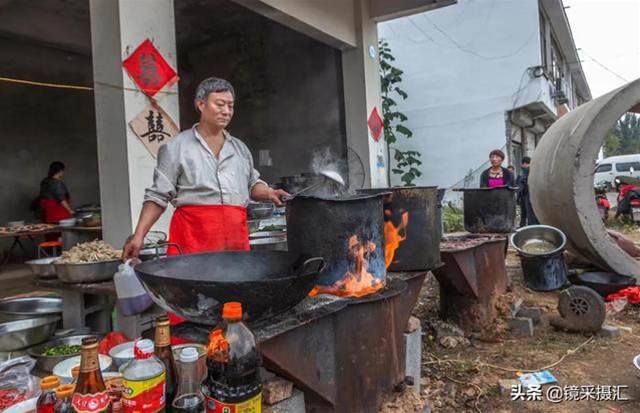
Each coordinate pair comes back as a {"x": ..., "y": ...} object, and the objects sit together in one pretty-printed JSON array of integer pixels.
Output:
[
  {"x": 271, "y": 244},
  {"x": 604, "y": 283},
  {"x": 31, "y": 306},
  {"x": 46, "y": 363},
  {"x": 87, "y": 273},
  {"x": 43, "y": 267},
  {"x": 19, "y": 334},
  {"x": 196, "y": 286},
  {"x": 534, "y": 234}
]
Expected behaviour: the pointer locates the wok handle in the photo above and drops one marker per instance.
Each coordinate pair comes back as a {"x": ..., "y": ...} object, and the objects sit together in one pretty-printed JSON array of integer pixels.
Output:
[
  {"x": 308, "y": 266},
  {"x": 176, "y": 246}
]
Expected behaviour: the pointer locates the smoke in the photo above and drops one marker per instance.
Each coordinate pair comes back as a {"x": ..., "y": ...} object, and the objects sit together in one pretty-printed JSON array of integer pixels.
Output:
[{"x": 325, "y": 160}]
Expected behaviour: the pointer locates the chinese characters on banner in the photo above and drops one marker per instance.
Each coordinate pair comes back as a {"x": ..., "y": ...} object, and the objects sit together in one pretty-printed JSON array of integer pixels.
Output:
[
  {"x": 148, "y": 69},
  {"x": 154, "y": 127}
]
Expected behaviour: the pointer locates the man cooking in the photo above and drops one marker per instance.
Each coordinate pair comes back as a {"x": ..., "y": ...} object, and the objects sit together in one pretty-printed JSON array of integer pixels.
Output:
[{"x": 208, "y": 175}]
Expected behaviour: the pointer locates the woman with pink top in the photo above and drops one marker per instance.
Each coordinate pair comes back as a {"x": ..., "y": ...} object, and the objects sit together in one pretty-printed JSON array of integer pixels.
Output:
[{"x": 496, "y": 175}]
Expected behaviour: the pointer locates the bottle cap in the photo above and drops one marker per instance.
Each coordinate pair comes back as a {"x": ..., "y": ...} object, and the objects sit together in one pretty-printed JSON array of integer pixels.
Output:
[
  {"x": 162, "y": 319},
  {"x": 189, "y": 355},
  {"x": 65, "y": 390},
  {"x": 143, "y": 348},
  {"x": 232, "y": 310},
  {"x": 49, "y": 382}
]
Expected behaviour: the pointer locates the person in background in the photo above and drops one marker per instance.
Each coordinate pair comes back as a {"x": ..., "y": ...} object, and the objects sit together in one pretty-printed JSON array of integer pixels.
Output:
[
  {"x": 527, "y": 216},
  {"x": 54, "y": 196},
  {"x": 496, "y": 175}
]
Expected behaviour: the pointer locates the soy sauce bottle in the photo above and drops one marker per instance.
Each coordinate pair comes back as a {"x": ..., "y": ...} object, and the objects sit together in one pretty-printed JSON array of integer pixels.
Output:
[
  {"x": 162, "y": 350},
  {"x": 90, "y": 395},
  {"x": 233, "y": 363}
]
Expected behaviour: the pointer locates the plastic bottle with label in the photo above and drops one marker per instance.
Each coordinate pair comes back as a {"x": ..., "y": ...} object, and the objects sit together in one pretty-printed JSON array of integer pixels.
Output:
[
  {"x": 47, "y": 400},
  {"x": 233, "y": 360},
  {"x": 144, "y": 381},
  {"x": 189, "y": 397}
]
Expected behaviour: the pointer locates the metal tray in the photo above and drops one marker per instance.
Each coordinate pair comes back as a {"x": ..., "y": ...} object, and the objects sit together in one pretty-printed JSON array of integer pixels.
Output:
[
  {"x": 31, "y": 306},
  {"x": 19, "y": 334},
  {"x": 43, "y": 267},
  {"x": 47, "y": 363},
  {"x": 87, "y": 273}
]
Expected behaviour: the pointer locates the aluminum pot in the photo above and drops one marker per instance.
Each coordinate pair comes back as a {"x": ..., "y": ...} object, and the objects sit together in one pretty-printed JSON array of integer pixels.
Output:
[
  {"x": 43, "y": 267},
  {"x": 20, "y": 334},
  {"x": 489, "y": 210},
  {"x": 88, "y": 272}
]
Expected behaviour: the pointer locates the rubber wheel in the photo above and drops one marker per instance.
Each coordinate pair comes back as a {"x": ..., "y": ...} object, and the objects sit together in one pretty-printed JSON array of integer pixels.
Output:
[{"x": 582, "y": 308}]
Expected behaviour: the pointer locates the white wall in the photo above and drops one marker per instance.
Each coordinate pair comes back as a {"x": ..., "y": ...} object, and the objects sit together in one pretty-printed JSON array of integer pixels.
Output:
[{"x": 464, "y": 66}]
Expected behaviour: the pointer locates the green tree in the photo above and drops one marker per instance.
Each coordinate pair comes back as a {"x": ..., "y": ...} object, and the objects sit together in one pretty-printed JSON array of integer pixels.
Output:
[
  {"x": 407, "y": 162},
  {"x": 624, "y": 138}
]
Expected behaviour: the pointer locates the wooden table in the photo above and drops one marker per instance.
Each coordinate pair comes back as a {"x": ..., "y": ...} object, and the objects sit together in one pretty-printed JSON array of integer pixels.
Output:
[
  {"x": 24, "y": 234},
  {"x": 91, "y": 304}
]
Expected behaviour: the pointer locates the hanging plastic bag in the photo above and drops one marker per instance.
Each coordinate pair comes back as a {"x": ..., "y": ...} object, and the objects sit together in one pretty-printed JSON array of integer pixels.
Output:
[{"x": 132, "y": 297}]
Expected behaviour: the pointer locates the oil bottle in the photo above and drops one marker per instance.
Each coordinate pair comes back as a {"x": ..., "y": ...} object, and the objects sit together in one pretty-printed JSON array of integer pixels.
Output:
[
  {"x": 143, "y": 379},
  {"x": 233, "y": 361}
]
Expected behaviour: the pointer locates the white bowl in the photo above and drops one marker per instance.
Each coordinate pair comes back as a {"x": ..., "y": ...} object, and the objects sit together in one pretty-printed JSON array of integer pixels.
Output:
[
  {"x": 68, "y": 222},
  {"x": 63, "y": 369},
  {"x": 122, "y": 353},
  {"x": 23, "y": 407}
]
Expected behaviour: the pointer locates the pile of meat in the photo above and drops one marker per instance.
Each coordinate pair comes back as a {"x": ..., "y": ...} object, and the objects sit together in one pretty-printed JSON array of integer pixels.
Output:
[
  {"x": 94, "y": 251},
  {"x": 25, "y": 228}
]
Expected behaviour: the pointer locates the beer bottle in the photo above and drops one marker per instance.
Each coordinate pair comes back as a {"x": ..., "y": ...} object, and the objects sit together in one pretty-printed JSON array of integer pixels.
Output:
[
  {"x": 90, "y": 395},
  {"x": 163, "y": 352}
]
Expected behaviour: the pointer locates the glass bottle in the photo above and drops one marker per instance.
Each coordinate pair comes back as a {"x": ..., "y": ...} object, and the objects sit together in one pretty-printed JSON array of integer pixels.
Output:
[
  {"x": 164, "y": 353},
  {"x": 90, "y": 394}
]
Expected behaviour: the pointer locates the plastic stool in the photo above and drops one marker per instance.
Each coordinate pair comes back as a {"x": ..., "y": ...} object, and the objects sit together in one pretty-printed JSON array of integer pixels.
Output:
[{"x": 54, "y": 245}]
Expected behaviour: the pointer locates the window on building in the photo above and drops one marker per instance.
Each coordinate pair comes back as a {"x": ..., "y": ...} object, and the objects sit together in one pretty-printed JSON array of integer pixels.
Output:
[
  {"x": 543, "y": 40},
  {"x": 557, "y": 62},
  {"x": 626, "y": 166},
  {"x": 605, "y": 167}
]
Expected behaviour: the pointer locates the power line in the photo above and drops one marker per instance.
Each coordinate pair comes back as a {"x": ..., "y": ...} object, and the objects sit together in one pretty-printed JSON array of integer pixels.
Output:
[
  {"x": 474, "y": 53},
  {"x": 594, "y": 60}
]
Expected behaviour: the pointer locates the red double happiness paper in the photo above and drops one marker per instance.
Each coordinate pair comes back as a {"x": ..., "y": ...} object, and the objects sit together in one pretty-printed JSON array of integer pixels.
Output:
[{"x": 149, "y": 69}]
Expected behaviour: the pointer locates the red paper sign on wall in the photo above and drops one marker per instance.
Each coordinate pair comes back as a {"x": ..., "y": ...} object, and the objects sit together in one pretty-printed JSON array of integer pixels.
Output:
[
  {"x": 376, "y": 124},
  {"x": 149, "y": 69}
]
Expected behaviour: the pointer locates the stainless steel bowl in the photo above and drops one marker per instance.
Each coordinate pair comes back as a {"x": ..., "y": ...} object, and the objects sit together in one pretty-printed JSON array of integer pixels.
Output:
[
  {"x": 43, "y": 267},
  {"x": 260, "y": 210},
  {"x": 19, "y": 334},
  {"x": 87, "y": 273},
  {"x": 47, "y": 363},
  {"x": 270, "y": 244},
  {"x": 535, "y": 234},
  {"x": 31, "y": 306}
]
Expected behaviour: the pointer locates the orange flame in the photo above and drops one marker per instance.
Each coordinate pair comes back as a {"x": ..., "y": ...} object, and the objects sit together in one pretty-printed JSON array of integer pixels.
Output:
[
  {"x": 392, "y": 237},
  {"x": 218, "y": 348},
  {"x": 358, "y": 282}
]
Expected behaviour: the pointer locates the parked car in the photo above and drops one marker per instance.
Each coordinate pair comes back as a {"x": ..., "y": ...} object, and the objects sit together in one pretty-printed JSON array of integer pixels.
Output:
[{"x": 614, "y": 166}]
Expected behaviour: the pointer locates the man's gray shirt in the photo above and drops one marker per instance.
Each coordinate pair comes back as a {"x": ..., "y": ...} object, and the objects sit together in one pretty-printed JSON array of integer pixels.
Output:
[{"x": 188, "y": 173}]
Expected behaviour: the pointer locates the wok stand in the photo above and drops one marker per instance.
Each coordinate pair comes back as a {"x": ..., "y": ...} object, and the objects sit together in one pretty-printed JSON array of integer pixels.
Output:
[{"x": 345, "y": 354}]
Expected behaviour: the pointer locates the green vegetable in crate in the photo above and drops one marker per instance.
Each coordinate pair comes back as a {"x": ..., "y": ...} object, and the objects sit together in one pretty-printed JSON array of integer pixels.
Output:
[{"x": 62, "y": 350}]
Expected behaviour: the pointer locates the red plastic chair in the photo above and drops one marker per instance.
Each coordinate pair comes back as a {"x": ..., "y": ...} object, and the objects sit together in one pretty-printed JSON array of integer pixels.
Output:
[{"x": 54, "y": 245}]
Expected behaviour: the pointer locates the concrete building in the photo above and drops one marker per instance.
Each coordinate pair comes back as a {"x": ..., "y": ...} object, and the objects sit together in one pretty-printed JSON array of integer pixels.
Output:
[
  {"x": 306, "y": 74},
  {"x": 481, "y": 77}
]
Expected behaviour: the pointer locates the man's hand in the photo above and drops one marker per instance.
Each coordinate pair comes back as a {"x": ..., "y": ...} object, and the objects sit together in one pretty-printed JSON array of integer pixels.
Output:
[
  {"x": 132, "y": 247},
  {"x": 276, "y": 195}
]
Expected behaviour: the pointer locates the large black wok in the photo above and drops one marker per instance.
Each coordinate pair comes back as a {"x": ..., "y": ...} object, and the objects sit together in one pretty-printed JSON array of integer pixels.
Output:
[{"x": 196, "y": 286}]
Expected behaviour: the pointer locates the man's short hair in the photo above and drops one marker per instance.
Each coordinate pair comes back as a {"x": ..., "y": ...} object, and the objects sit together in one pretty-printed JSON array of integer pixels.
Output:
[
  {"x": 526, "y": 159},
  {"x": 212, "y": 85}
]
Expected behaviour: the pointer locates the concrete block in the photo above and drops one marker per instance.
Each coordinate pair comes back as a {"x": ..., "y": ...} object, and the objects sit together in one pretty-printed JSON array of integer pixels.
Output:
[
  {"x": 506, "y": 385},
  {"x": 294, "y": 404},
  {"x": 534, "y": 313},
  {"x": 413, "y": 357},
  {"x": 609, "y": 332},
  {"x": 521, "y": 325},
  {"x": 276, "y": 390}
]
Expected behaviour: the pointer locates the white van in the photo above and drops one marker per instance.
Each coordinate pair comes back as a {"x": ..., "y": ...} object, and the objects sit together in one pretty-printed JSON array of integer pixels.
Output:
[{"x": 623, "y": 165}]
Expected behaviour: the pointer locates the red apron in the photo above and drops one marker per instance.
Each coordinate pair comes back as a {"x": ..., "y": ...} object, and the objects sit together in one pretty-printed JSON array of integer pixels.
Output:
[
  {"x": 208, "y": 228},
  {"x": 53, "y": 211}
]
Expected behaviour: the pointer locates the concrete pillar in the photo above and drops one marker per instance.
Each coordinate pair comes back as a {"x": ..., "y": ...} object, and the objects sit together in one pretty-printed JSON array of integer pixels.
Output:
[
  {"x": 125, "y": 165},
  {"x": 362, "y": 93}
]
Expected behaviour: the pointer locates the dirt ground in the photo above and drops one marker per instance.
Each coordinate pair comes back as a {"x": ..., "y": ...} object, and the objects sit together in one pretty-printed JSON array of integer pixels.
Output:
[{"x": 465, "y": 378}]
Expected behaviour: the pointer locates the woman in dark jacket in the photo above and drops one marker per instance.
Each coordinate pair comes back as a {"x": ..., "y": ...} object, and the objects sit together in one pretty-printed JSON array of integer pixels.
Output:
[
  {"x": 54, "y": 196},
  {"x": 496, "y": 175}
]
